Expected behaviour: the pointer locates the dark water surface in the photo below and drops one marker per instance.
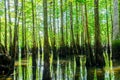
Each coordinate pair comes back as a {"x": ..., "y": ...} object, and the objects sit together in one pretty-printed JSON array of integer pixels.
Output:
[{"x": 62, "y": 69}]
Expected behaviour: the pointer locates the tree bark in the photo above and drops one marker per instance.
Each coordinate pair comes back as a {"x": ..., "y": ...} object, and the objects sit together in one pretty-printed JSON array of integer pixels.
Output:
[
  {"x": 10, "y": 32},
  {"x": 77, "y": 28},
  {"x": 115, "y": 20},
  {"x": 23, "y": 32},
  {"x": 72, "y": 41},
  {"x": 46, "y": 71},
  {"x": 5, "y": 24},
  {"x": 90, "y": 58},
  {"x": 0, "y": 30},
  {"x": 54, "y": 29},
  {"x": 34, "y": 50},
  {"x": 107, "y": 25},
  {"x": 98, "y": 47},
  {"x": 66, "y": 22},
  {"x": 61, "y": 16}
]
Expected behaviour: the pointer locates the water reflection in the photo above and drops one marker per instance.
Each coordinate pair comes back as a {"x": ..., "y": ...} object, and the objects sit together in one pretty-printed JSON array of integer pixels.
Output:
[
  {"x": 61, "y": 69},
  {"x": 109, "y": 73}
]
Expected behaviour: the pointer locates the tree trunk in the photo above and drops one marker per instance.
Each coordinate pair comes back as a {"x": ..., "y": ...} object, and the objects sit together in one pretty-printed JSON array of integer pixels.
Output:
[
  {"x": 90, "y": 58},
  {"x": 72, "y": 41},
  {"x": 107, "y": 25},
  {"x": 98, "y": 47},
  {"x": 119, "y": 16},
  {"x": 23, "y": 31},
  {"x": 15, "y": 41},
  {"x": 66, "y": 23},
  {"x": 115, "y": 20},
  {"x": 5, "y": 24},
  {"x": 77, "y": 28},
  {"x": 10, "y": 32},
  {"x": 82, "y": 32},
  {"x": 116, "y": 31},
  {"x": 61, "y": 12},
  {"x": 15, "y": 29},
  {"x": 34, "y": 49},
  {"x": 50, "y": 30},
  {"x": 0, "y": 30},
  {"x": 54, "y": 29},
  {"x": 46, "y": 71},
  {"x": 25, "y": 37}
]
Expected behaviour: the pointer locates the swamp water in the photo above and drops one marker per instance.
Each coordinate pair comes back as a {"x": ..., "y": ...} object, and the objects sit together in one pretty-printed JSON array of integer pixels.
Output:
[{"x": 62, "y": 69}]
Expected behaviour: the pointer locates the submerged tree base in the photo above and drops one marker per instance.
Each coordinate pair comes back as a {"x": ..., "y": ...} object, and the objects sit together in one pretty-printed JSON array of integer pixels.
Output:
[
  {"x": 116, "y": 49},
  {"x": 5, "y": 62},
  {"x": 91, "y": 59}
]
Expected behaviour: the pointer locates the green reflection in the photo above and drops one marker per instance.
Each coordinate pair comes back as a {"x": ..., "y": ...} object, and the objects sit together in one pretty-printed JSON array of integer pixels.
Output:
[
  {"x": 83, "y": 71},
  {"x": 64, "y": 69},
  {"x": 109, "y": 73}
]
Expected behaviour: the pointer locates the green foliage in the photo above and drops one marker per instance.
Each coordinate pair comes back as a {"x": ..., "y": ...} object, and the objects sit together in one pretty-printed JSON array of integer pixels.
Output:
[
  {"x": 116, "y": 49},
  {"x": 78, "y": 28},
  {"x": 81, "y": 1},
  {"x": 1, "y": 8},
  {"x": 1, "y": 12},
  {"x": 116, "y": 43}
]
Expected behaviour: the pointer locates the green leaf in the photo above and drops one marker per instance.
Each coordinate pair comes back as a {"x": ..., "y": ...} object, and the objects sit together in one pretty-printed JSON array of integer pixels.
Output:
[{"x": 1, "y": 12}]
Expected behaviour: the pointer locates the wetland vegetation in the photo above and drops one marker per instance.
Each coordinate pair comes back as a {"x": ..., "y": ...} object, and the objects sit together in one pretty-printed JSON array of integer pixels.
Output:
[{"x": 59, "y": 39}]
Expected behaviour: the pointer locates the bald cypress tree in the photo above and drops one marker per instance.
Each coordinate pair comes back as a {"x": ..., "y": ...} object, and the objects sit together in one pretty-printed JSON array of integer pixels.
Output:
[
  {"x": 5, "y": 41},
  {"x": 34, "y": 49},
  {"x": 46, "y": 71},
  {"x": 98, "y": 47},
  {"x": 0, "y": 30},
  {"x": 10, "y": 29},
  {"x": 72, "y": 40},
  {"x": 116, "y": 31}
]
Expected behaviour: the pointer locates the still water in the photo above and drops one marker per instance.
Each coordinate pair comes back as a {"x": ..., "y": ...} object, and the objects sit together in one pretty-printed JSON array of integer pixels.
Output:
[{"x": 62, "y": 69}]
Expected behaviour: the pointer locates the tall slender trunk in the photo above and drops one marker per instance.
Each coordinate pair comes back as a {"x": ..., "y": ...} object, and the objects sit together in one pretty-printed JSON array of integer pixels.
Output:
[
  {"x": 34, "y": 43},
  {"x": 15, "y": 28},
  {"x": 58, "y": 24},
  {"x": 90, "y": 58},
  {"x": 46, "y": 71},
  {"x": 23, "y": 32},
  {"x": 77, "y": 27},
  {"x": 0, "y": 30},
  {"x": 111, "y": 18},
  {"x": 54, "y": 29},
  {"x": 61, "y": 16},
  {"x": 66, "y": 23},
  {"x": 10, "y": 32},
  {"x": 25, "y": 29},
  {"x": 50, "y": 31},
  {"x": 119, "y": 15},
  {"x": 35, "y": 20},
  {"x": 5, "y": 25},
  {"x": 115, "y": 20},
  {"x": 77, "y": 24},
  {"x": 107, "y": 25},
  {"x": 72, "y": 42},
  {"x": 15, "y": 38},
  {"x": 116, "y": 31},
  {"x": 82, "y": 32},
  {"x": 98, "y": 47}
]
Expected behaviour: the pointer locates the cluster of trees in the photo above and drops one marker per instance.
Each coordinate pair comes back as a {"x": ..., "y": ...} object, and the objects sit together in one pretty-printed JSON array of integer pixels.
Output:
[{"x": 63, "y": 27}]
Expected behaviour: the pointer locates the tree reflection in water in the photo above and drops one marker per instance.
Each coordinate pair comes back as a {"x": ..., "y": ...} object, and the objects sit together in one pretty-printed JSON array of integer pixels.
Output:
[{"x": 61, "y": 70}]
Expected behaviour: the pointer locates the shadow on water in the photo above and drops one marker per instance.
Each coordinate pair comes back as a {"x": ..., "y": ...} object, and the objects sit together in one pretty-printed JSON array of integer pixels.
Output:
[{"x": 62, "y": 69}]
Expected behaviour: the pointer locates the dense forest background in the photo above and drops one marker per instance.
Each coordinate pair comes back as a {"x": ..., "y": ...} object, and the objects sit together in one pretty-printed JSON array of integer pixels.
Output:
[{"x": 61, "y": 27}]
